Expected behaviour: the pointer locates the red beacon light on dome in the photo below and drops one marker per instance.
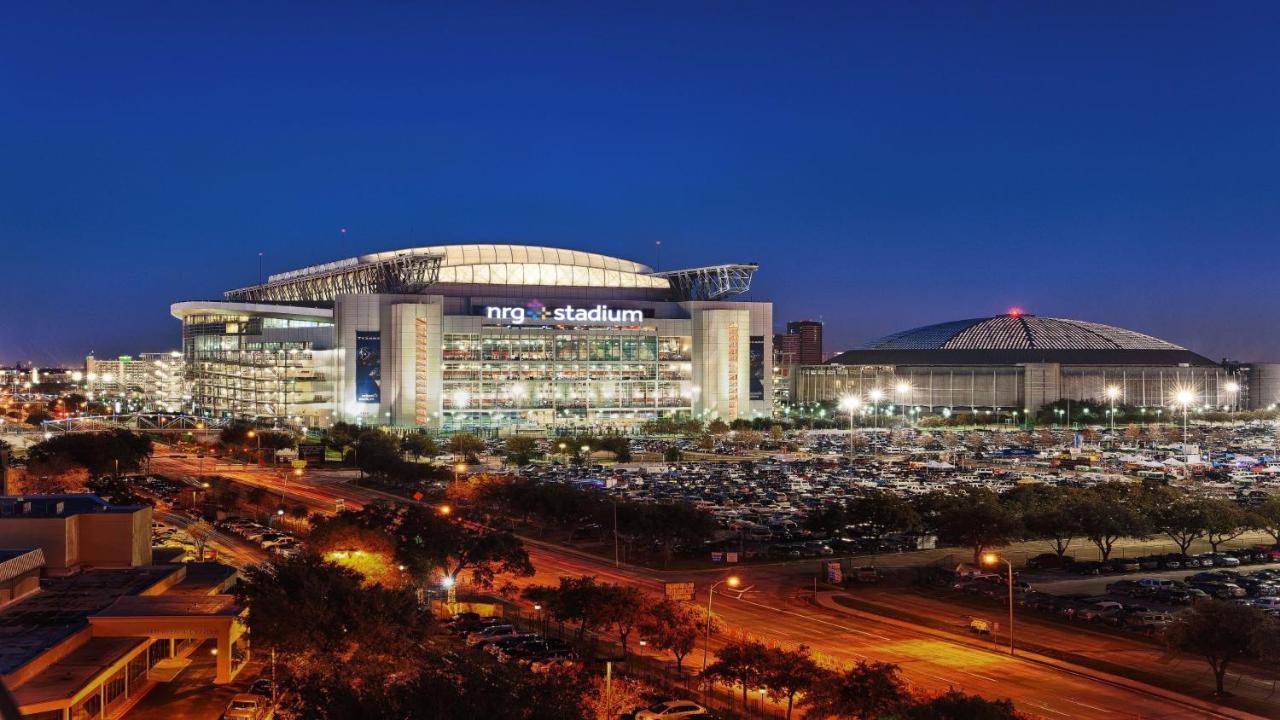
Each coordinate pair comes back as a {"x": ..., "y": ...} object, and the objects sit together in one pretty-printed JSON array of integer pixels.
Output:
[{"x": 1015, "y": 312}]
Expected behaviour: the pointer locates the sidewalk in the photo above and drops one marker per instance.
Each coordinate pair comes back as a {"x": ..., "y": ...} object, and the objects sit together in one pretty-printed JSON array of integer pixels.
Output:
[{"x": 1027, "y": 653}]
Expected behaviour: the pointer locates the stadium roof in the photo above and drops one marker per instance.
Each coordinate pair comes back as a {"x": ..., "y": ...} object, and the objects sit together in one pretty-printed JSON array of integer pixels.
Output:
[
  {"x": 419, "y": 269},
  {"x": 1017, "y": 337}
]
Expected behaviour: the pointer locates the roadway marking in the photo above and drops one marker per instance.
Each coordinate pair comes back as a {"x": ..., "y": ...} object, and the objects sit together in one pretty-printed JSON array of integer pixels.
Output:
[
  {"x": 813, "y": 619},
  {"x": 980, "y": 677},
  {"x": 1046, "y": 707},
  {"x": 1091, "y": 707}
]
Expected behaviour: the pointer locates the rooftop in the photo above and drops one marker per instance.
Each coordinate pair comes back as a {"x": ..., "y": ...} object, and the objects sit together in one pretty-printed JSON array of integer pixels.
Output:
[
  {"x": 62, "y": 607},
  {"x": 48, "y": 506}
]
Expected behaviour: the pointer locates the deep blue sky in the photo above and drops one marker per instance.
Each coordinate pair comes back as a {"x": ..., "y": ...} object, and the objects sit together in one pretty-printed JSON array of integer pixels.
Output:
[{"x": 888, "y": 164}]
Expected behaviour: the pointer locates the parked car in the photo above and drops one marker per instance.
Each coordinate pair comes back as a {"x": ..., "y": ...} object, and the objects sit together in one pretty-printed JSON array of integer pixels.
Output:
[
  {"x": 1047, "y": 561},
  {"x": 247, "y": 706}
]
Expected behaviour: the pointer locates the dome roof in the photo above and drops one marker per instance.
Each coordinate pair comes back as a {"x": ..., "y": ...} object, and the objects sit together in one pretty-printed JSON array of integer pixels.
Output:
[
  {"x": 1019, "y": 338},
  {"x": 532, "y": 265},
  {"x": 1019, "y": 331}
]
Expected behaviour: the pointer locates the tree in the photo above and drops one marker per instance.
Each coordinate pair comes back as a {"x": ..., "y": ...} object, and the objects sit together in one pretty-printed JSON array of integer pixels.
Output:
[
  {"x": 1178, "y": 516},
  {"x": 235, "y": 434},
  {"x": 717, "y": 427},
  {"x": 419, "y": 445},
  {"x": 865, "y": 691},
  {"x": 100, "y": 453},
  {"x": 467, "y": 445},
  {"x": 672, "y": 454},
  {"x": 1050, "y": 514},
  {"x": 426, "y": 542},
  {"x": 788, "y": 673},
  {"x": 341, "y": 436},
  {"x": 276, "y": 439},
  {"x": 1224, "y": 521},
  {"x": 200, "y": 533},
  {"x": 976, "y": 519},
  {"x": 1109, "y": 514},
  {"x": 377, "y": 453},
  {"x": 520, "y": 450},
  {"x": 675, "y": 628},
  {"x": 1267, "y": 517},
  {"x": 1221, "y": 632},
  {"x": 882, "y": 513},
  {"x": 38, "y": 417},
  {"x": 739, "y": 661},
  {"x": 625, "y": 608},
  {"x": 955, "y": 705}
]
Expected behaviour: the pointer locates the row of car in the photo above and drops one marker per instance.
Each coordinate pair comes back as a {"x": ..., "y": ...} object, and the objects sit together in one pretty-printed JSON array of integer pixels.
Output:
[
  {"x": 276, "y": 541},
  {"x": 508, "y": 643},
  {"x": 1171, "y": 561}
]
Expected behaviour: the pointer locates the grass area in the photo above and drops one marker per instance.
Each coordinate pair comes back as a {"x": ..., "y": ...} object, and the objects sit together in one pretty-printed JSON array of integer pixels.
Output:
[{"x": 1201, "y": 691}]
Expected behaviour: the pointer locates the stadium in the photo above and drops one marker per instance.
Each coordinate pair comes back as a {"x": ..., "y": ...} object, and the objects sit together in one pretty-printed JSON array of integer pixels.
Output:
[
  {"x": 482, "y": 336},
  {"x": 1019, "y": 362}
]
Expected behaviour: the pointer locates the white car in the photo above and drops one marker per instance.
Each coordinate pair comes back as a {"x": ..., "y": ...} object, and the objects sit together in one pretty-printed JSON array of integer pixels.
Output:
[{"x": 672, "y": 709}]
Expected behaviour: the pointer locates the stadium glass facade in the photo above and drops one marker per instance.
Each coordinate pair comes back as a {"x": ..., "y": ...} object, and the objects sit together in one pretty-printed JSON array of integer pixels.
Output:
[{"x": 464, "y": 337}]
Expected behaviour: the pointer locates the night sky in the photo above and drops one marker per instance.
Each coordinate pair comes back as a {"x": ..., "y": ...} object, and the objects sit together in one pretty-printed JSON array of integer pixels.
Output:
[{"x": 888, "y": 165}]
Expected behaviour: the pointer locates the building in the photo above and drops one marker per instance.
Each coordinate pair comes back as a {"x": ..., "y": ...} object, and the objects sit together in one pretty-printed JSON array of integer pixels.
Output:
[
  {"x": 482, "y": 336},
  {"x": 804, "y": 341},
  {"x": 152, "y": 381},
  {"x": 77, "y": 531},
  {"x": 1022, "y": 362},
  {"x": 87, "y": 622}
]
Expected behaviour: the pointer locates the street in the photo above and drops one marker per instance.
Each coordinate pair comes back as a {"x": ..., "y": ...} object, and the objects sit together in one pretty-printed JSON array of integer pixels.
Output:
[{"x": 775, "y": 609}]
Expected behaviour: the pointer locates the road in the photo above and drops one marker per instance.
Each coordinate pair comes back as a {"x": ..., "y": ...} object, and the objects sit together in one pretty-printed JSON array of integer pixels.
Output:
[{"x": 773, "y": 610}]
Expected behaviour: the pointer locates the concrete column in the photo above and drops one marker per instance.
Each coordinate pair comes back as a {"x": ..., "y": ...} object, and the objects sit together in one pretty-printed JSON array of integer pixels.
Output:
[{"x": 224, "y": 657}]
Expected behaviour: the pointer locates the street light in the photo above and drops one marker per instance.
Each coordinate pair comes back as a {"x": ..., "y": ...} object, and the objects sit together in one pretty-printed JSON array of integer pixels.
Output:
[
  {"x": 452, "y": 587},
  {"x": 875, "y": 395},
  {"x": 991, "y": 559},
  {"x": 1183, "y": 396},
  {"x": 1113, "y": 392},
  {"x": 1232, "y": 388},
  {"x": 850, "y": 404},
  {"x": 732, "y": 581},
  {"x": 903, "y": 389}
]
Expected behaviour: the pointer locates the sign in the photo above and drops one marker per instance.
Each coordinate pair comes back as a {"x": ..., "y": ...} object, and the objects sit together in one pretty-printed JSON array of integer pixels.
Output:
[
  {"x": 731, "y": 557},
  {"x": 679, "y": 591},
  {"x": 340, "y": 504},
  {"x": 368, "y": 367},
  {"x": 311, "y": 452},
  {"x": 298, "y": 464},
  {"x": 835, "y": 574},
  {"x": 537, "y": 312},
  {"x": 717, "y": 557}
]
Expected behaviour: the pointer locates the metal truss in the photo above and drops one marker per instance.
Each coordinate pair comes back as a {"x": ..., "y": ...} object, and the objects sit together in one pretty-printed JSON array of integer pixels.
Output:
[
  {"x": 146, "y": 422},
  {"x": 402, "y": 274},
  {"x": 716, "y": 282}
]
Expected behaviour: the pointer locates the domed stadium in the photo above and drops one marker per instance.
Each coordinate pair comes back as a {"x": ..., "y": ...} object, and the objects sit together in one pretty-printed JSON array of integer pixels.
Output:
[
  {"x": 1018, "y": 361},
  {"x": 488, "y": 337}
]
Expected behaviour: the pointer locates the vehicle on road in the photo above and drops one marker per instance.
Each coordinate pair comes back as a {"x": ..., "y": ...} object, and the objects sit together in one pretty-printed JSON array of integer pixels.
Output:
[{"x": 671, "y": 710}]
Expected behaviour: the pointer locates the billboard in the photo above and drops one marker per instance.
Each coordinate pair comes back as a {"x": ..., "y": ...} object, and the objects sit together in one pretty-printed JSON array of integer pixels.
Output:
[
  {"x": 368, "y": 367},
  {"x": 679, "y": 591},
  {"x": 756, "y": 386}
]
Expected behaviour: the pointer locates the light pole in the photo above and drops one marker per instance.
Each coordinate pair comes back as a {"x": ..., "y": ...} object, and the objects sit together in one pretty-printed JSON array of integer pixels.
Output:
[
  {"x": 850, "y": 404},
  {"x": 991, "y": 559},
  {"x": 1233, "y": 389},
  {"x": 452, "y": 587},
  {"x": 1183, "y": 397},
  {"x": 903, "y": 388},
  {"x": 732, "y": 581},
  {"x": 875, "y": 395},
  {"x": 1113, "y": 392}
]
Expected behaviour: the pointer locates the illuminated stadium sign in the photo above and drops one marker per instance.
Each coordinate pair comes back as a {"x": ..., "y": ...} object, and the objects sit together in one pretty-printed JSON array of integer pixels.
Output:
[{"x": 537, "y": 312}]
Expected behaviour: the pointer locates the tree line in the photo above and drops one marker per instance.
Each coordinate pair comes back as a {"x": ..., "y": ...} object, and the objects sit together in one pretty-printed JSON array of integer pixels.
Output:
[
  {"x": 980, "y": 519},
  {"x": 659, "y": 530}
]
